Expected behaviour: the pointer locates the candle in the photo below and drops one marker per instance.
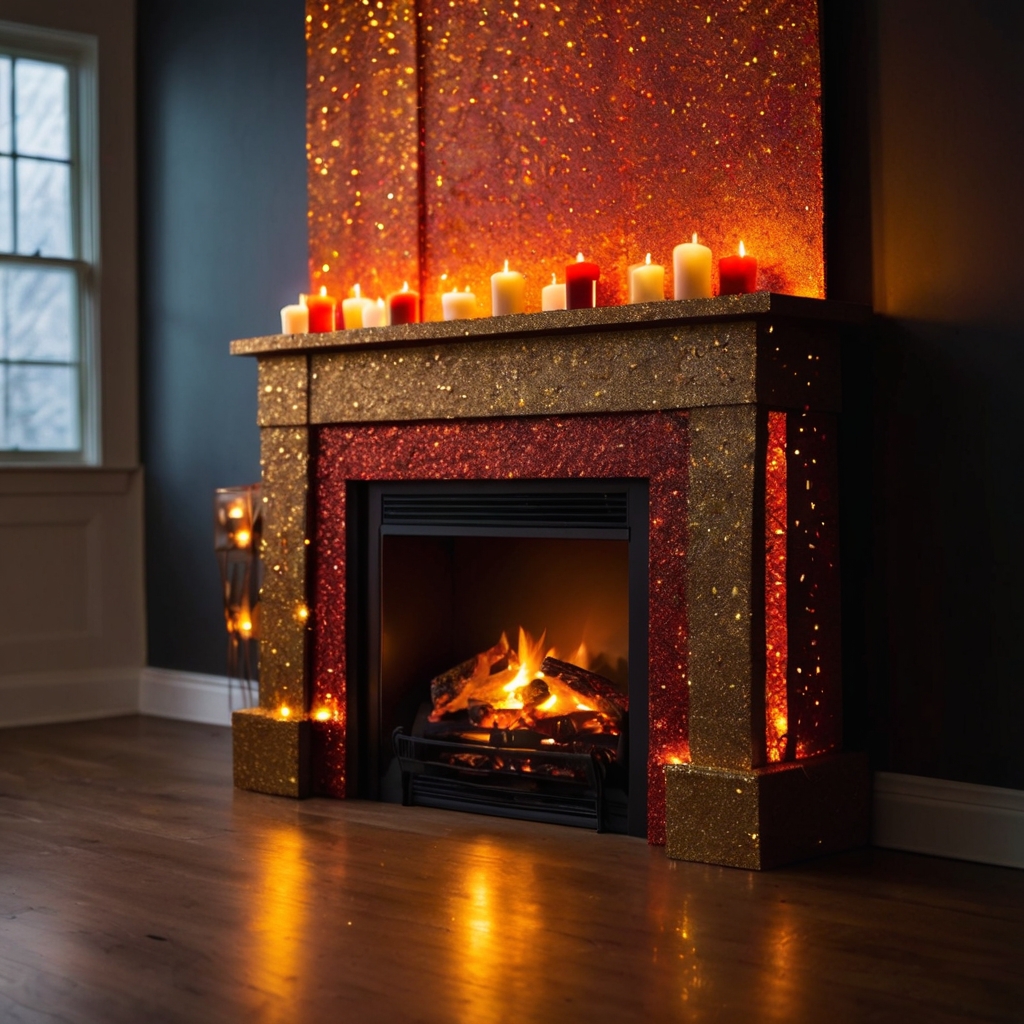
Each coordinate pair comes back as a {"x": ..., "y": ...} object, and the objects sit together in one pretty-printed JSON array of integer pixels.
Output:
[
  {"x": 647, "y": 282},
  {"x": 352, "y": 310},
  {"x": 375, "y": 314},
  {"x": 691, "y": 263},
  {"x": 404, "y": 306},
  {"x": 295, "y": 319},
  {"x": 322, "y": 309},
  {"x": 508, "y": 292},
  {"x": 581, "y": 284},
  {"x": 737, "y": 275},
  {"x": 552, "y": 296},
  {"x": 458, "y": 305}
]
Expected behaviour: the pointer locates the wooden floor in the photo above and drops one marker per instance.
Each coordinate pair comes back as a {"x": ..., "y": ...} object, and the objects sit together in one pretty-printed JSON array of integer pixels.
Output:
[{"x": 137, "y": 886}]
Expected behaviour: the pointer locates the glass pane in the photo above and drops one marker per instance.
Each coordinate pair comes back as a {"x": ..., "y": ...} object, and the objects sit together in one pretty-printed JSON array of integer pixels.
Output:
[
  {"x": 3, "y": 408},
  {"x": 42, "y": 408},
  {"x": 38, "y": 314},
  {"x": 6, "y": 209},
  {"x": 5, "y": 104},
  {"x": 44, "y": 208},
  {"x": 41, "y": 109}
]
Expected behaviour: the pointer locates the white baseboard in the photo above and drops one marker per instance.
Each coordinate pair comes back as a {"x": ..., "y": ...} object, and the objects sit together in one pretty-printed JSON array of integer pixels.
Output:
[
  {"x": 949, "y": 819},
  {"x": 37, "y": 698},
  {"x": 187, "y": 696}
]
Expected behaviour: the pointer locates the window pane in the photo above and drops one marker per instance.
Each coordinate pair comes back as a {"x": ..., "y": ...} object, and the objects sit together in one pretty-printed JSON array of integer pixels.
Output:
[
  {"x": 41, "y": 109},
  {"x": 44, "y": 208},
  {"x": 5, "y": 104},
  {"x": 38, "y": 314},
  {"x": 6, "y": 209},
  {"x": 42, "y": 408}
]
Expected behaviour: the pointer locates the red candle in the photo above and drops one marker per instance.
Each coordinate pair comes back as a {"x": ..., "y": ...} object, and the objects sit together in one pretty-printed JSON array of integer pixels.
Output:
[
  {"x": 581, "y": 284},
  {"x": 404, "y": 306},
  {"x": 321, "y": 308},
  {"x": 737, "y": 275}
]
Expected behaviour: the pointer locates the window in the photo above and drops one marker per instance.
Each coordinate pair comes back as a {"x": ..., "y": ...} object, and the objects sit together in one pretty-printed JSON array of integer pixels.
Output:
[{"x": 47, "y": 247}]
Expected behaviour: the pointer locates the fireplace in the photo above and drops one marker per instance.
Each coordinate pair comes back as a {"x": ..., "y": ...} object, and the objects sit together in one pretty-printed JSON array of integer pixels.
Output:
[
  {"x": 400, "y": 463},
  {"x": 494, "y": 648}
]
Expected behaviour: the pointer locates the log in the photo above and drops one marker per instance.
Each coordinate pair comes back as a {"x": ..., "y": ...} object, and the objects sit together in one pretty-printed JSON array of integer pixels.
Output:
[
  {"x": 595, "y": 690},
  {"x": 446, "y": 687}
]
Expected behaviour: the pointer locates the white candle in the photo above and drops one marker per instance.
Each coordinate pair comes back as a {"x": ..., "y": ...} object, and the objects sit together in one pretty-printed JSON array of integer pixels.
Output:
[
  {"x": 692, "y": 265},
  {"x": 508, "y": 292},
  {"x": 458, "y": 305},
  {"x": 352, "y": 310},
  {"x": 647, "y": 282},
  {"x": 375, "y": 314},
  {"x": 295, "y": 319},
  {"x": 552, "y": 296}
]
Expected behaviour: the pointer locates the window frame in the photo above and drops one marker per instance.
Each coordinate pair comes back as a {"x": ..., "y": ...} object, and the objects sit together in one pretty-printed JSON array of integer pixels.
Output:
[{"x": 79, "y": 54}]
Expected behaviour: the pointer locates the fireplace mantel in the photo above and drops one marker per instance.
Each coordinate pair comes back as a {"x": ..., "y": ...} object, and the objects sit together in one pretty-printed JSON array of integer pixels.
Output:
[{"x": 728, "y": 364}]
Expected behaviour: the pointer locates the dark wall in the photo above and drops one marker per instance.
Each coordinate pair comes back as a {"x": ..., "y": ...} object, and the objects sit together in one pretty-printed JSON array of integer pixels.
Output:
[
  {"x": 223, "y": 247},
  {"x": 925, "y": 145}
]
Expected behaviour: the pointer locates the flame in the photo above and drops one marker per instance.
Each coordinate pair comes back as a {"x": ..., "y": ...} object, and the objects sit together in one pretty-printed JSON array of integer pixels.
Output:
[
  {"x": 647, "y": 260},
  {"x": 694, "y": 238},
  {"x": 579, "y": 257},
  {"x": 743, "y": 252},
  {"x": 405, "y": 286},
  {"x": 236, "y": 511},
  {"x": 242, "y": 538},
  {"x": 323, "y": 289},
  {"x": 506, "y": 266},
  {"x": 554, "y": 279},
  {"x": 355, "y": 291}
]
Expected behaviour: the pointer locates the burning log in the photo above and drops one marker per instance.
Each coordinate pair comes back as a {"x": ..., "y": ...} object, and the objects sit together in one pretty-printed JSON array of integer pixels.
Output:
[
  {"x": 591, "y": 687},
  {"x": 446, "y": 688}
]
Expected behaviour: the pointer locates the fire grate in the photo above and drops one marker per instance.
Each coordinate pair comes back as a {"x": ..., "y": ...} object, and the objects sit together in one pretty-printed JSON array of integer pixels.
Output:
[{"x": 555, "y": 787}]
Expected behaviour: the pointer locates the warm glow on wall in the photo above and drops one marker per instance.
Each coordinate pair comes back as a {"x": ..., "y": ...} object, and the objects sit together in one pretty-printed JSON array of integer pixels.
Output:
[{"x": 547, "y": 128}]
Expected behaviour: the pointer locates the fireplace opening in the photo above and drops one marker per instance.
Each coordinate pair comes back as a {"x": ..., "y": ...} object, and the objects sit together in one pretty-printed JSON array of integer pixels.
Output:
[{"x": 505, "y": 649}]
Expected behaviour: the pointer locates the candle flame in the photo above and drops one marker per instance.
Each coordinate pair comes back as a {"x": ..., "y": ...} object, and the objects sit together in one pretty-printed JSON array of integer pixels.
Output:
[
  {"x": 323, "y": 289},
  {"x": 506, "y": 266},
  {"x": 743, "y": 252},
  {"x": 355, "y": 290},
  {"x": 405, "y": 286},
  {"x": 554, "y": 278},
  {"x": 648, "y": 259},
  {"x": 694, "y": 239},
  {"x": 579, "y": 257},
  {"x": 380, "y": 303}
]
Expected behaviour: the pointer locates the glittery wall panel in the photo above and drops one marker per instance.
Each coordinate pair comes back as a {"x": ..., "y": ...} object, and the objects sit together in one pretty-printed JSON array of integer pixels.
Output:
[
  {"x": 652, "y": 445},
  {"x": 556, "y": 127},
  {"x": 361, "y": 142},
  {"x": 284, "y": 457},
  {"x": 776, "y": 626},
  {"x": 551, "y": 128},
  {"x": 270, "y": 754},
  {"x": 726, "y": 665},
  {"x": 815, "y": 693}
]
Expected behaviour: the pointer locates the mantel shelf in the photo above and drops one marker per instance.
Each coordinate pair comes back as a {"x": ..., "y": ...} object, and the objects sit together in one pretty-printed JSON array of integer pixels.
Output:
[{"x": 757, "y": 305}]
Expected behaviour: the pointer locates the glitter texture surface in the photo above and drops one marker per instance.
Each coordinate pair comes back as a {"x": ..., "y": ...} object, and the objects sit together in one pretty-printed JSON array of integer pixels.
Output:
[
  {"x": 815, "y": 688},
  {"x": 776, "y": 626},
  {"x": 548, "y": 128},
  {"x": 270, "y": 753},
  {"x": 652, "y": 445}
]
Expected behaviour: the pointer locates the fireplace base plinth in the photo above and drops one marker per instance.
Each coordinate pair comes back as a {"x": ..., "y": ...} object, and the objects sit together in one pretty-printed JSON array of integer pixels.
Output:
[
  {"x": 271, "y": 754},
  {"x": 768, "y": 816}
]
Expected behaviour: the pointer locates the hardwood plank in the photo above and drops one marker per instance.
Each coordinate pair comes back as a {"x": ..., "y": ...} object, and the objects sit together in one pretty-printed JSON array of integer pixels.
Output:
[{"x": 136, "y": 884}]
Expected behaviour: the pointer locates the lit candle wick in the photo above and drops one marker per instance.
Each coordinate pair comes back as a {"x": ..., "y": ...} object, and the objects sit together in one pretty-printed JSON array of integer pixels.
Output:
[
  {"x": 405, "y": 286},
  {"x": 694, "y": 239},
  {"x": 506, "y": 266},
  {"x": 743, "y": 252},
  {"x": 323, "y": 289},
  {"x": 579, "y": 257},
  {"x": 356, "y": 290},
  {"x": 554, "y": 278},
  {"x": 648, "y": 259}
]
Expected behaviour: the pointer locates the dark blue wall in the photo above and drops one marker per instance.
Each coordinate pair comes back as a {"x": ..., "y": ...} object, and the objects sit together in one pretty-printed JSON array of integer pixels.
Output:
[{"x": 223, "y": 247}]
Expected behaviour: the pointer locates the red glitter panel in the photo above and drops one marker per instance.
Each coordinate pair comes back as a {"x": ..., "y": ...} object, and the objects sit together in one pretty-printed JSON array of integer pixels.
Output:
[
  {"x": 776, "y": 637},
  {"x": 652, "y": 445},
  {"x": 815, "y": 700},
  {"x": 549, "y": 128}
]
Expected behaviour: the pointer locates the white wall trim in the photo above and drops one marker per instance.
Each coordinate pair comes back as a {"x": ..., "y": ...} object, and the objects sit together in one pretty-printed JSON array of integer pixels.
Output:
[
  {"x": 949, "y": 819},
  {"x": 38, "y": 698},
  {"x": 187, "y": 696}
]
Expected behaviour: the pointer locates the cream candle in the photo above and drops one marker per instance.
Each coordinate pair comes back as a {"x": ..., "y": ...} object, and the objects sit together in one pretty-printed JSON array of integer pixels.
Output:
[
  {"x": 552, "y": 296},
  {"x": 352, "y": 310},
  {"x": 508, "y": 292},
  {"x": 375, "y": 314},
  {"x": 691, "y": 263},
  {"x": 458, "y": 305},
  {"x": 647, "y": 282},
  {"x": 295, "y": 319}
]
